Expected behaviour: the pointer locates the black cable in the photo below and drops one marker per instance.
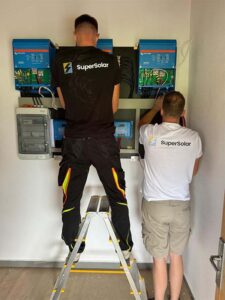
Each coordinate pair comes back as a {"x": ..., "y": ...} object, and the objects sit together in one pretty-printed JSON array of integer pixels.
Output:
[
  {"x": 34, "y": 101},
  {"x": 127, "y": 73}
]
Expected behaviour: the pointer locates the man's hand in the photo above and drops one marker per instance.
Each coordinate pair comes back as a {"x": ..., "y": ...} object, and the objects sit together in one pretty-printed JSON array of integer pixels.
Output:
[
  {"x": 158, "y": 103},
  {"x": 150, "y": 115}
]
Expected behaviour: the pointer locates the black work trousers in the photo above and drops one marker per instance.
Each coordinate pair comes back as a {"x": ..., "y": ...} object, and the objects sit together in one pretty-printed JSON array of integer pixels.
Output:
[{"x": 78, "y": 155}]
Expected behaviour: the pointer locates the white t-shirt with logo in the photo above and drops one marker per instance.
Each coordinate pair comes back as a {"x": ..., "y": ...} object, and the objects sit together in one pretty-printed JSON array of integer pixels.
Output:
[{"x": 170, "y": 154}]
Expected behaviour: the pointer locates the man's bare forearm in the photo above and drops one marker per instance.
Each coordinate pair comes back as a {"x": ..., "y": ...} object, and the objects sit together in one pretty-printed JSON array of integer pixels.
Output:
[
  {"x": 148, "y": 117},
  {"x": 61, "y": 99},
  {"x": 115, "y": 98},
  {"x": 151, "y": 113}
]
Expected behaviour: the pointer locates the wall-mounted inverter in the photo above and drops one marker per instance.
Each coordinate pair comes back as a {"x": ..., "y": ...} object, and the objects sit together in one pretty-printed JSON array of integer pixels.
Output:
[
  {"x": 32, "y": 63},
  {"x": 156, "y": 67}
]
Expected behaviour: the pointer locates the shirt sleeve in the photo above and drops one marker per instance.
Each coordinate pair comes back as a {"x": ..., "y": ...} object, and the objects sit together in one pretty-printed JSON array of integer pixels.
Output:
[
  {"x": 117, "y": 72},
  {"x": 55, "y": 74},
  {"x": 198, "y": 147},
  {"x": 142, "y": 134}
]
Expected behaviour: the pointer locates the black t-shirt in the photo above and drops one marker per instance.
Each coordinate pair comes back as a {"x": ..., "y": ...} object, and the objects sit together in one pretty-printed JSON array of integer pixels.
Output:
[{"x": 86, "y": 76}]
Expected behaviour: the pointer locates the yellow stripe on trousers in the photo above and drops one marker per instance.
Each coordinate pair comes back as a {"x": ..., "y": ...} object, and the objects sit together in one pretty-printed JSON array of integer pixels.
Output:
[
  {"x": 68, "y": 210},
  {"x": 115, "y": 176},
  {"x": 66, "y": 182}
]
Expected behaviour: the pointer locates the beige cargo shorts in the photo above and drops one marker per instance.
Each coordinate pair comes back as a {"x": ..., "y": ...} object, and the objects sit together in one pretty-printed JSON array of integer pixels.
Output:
[{"x": 165, "y": 227}]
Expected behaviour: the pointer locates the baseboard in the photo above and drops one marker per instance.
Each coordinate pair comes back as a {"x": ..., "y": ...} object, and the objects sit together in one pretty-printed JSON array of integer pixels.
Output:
[
  {"x": 54, "y": 264},
  {"x": 189, "y": 290}
]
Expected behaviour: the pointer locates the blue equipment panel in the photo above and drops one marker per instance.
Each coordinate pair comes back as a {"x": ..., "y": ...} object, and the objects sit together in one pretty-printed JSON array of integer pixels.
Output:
[
  {"x": 105, "y": 45},
  {"x": 157, "y": 65},
  {"x": 59, "y": 128},
  {"x": 32, "y": 62},
  {"x": 124, "y": 129}
]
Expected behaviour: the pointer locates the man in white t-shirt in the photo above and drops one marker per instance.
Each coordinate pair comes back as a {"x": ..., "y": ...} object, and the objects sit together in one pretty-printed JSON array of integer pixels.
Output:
[{"x": 172, "y": 155}]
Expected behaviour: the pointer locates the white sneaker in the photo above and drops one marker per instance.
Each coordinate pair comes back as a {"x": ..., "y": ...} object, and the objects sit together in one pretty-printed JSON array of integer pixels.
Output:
[
  {"x": 76, "y": 259},
  {"x": 126, "y": 254}
]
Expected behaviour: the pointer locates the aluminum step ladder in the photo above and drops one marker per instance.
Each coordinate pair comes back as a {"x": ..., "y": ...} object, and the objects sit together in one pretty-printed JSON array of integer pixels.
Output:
[{"x": 99, "y": 205}]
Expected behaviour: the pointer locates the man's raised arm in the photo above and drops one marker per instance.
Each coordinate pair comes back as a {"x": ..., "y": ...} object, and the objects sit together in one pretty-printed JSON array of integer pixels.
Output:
[
  {"x": 147, "y": 118},
  {"x": 115, "y": 97},
  {"x": 61, "y": 99}
]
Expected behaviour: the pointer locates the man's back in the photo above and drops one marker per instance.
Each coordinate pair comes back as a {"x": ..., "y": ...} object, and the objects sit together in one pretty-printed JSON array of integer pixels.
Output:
[
  {"x": 87, "y": 76},
  {"x": 170, "y": 154},
  {"x": 87, "y": 82}
]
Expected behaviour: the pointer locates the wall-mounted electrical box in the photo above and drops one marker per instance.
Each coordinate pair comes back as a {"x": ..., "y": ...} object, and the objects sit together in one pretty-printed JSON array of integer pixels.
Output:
[
  {"x": 32, "y": 62},
  {"x": 126, "y": 121},
  {"x": 41, "y": 130},
  {"x": 33, "y": 126},
  {"x": 156, "y": 67},
  {"x": 57, "y": 130},
  {"x": 105, "y": 45}
]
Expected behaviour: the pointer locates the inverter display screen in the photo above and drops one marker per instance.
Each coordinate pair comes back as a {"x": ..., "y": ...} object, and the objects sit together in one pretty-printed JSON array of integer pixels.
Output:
[
  {"x": 124, "y": 129},
  {"x": 59, "y": 128}
]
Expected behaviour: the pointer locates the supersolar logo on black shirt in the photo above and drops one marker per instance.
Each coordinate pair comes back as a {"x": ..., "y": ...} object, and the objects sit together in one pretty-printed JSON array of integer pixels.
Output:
[
  {"x": 68, "y": 67},
  {"x": 93, "y": 66}
]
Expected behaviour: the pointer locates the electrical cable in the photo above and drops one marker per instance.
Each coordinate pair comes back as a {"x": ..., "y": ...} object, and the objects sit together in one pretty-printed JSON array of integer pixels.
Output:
[
  {"x": 167, "y": 75},
  {"x": 54, "y": 106},
  {"x": 184, "y": 55},
  {"x": 34, "y": 101}
]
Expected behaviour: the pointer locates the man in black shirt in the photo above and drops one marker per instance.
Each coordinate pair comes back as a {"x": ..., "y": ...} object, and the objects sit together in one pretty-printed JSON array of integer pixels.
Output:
[{"x": 87, "y": 81}]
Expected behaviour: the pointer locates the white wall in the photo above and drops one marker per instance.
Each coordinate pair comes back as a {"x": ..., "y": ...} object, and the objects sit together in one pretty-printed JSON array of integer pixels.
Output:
[
  {"x": 207, "y": 115},
  {"x": 30, "y": 202}
]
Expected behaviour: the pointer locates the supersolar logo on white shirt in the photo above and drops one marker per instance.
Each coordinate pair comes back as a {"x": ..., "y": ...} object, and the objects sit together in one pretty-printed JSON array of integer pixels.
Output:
[
  {"x": 172, "y": 143},
  {"x": 152, "y": 140},
  {"x": 92, "y": 66}
]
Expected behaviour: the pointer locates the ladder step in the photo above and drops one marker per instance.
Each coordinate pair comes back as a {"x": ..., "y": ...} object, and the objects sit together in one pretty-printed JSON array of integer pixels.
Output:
[
  {"x": 84, "y": 240},
  {"x": 93, "y": 204},
  {"x": 116, "y": 272},
  {"x": 132, "y": 293},
  {"x": 62, "y": 291},
  {"x": 104, "y": 207},
  {"x": 110, "y": 240}
]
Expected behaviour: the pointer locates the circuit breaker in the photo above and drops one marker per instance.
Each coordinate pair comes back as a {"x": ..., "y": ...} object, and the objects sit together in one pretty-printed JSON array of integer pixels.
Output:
[
  {"x": 33, "y": 127},
  {"x": 32, "y": 63},
  {"x": 156, "y": 67}
]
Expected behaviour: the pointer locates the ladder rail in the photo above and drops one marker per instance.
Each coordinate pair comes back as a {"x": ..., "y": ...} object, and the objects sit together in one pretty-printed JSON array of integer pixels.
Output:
[
  {"x": 64, "y": 274},
  {"x": 120, "y": 255},
  {"x": 144, "y": 295},
  {"x": 138, "y": 279}
]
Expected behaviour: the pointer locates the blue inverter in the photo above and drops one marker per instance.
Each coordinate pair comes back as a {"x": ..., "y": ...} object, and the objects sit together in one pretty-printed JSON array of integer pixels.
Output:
[
  {"x": 32, "y": 62},
  {"x": 105, "y": 45},
  {"x": 156, "y": 66}
]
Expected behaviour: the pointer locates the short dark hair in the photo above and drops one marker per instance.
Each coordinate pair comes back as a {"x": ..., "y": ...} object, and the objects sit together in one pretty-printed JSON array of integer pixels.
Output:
[
  {"x": 86, "y": 19},
  {"x": 173, "y": 104}
]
